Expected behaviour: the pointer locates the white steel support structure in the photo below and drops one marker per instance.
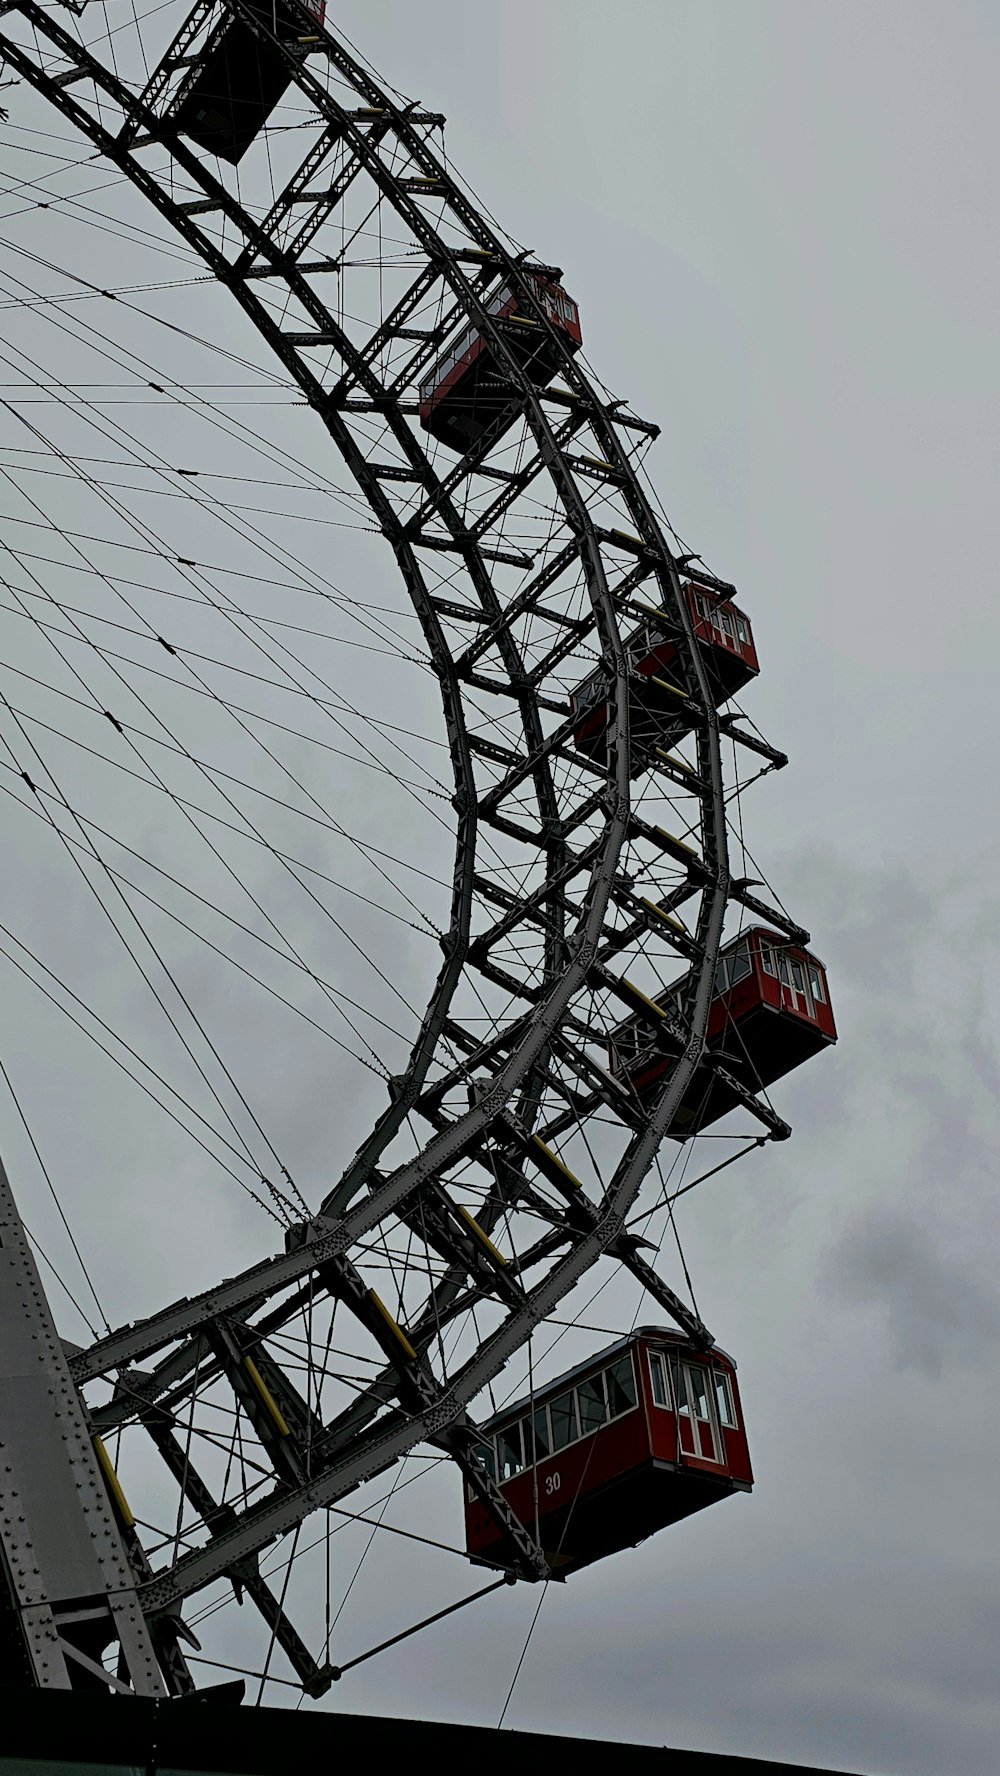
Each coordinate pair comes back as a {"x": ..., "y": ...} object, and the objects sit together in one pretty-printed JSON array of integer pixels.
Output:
[{"x": 70, "y": 1580}]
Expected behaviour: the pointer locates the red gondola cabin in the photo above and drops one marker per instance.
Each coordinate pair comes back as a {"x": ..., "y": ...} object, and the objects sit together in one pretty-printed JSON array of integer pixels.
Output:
[
  {"x": 656, "y": 705},
  {"x": 770, "y": 1012},
  {"x": 641, "y": 1436},
  {"x": 468, "y": 394},
  {"x": 239, "y": 78}
]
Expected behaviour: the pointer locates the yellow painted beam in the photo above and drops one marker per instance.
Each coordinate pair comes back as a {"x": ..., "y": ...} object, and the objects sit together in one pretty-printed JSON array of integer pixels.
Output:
[
  {"x": 661, "y": 913},
  {"x": 550, "y": 1165},
  {"x": 113, "y": 1483},
  {"x": 266, "y": 1398},
  {"x": 641, "y": 998},
  {"x": 393, "y": 1325},
  {"x": 482, "y": 1236}
]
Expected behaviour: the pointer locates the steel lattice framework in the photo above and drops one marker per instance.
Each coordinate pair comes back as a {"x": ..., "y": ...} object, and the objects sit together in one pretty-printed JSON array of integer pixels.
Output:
[{"x": 547, "y": 917}]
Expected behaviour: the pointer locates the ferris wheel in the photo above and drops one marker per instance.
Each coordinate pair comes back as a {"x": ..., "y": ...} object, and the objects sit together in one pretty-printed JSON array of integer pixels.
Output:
[{"x": 605, "y": 988}]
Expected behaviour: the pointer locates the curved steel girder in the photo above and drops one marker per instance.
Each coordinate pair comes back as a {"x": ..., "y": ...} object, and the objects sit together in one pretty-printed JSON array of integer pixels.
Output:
[{"x": 258, "y": 1525}]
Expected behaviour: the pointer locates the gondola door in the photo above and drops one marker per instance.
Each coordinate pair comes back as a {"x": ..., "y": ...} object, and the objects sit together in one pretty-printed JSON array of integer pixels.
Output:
[
  {"x": 792, "y": 974},
  {"x": 697, "y": 1427}
]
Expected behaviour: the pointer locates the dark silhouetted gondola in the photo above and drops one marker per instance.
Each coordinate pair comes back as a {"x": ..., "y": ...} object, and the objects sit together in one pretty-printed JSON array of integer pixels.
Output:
[
  {"x": 641, "y": 1436},
  {"x": 239, "y": 78},
  {"x": 468, "y": 393}
]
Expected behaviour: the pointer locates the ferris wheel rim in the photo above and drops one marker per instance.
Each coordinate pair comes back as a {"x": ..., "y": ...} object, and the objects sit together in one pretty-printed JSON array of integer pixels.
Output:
[{"x": 338, "y": 1225}]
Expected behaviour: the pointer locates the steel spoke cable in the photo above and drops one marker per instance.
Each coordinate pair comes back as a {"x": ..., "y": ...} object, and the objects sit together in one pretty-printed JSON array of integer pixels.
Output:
[
  {"x": 93, "y": 219},
  {"x": 72, "y": 611},
  {"x": 299, "y": 863},
  {"x": 332, "y": 713},
  {"x": 190, "y": 598},
  {"x": 227, "y": 956},
  {"x": 107, "y": 655},
  {"x": 91, "y": 849},
  {"x": 38, "y": 1248},
  {"x": 70, "y": 1235},
  {"x": 423, "y": 930},
  {"x": 197, "y": 653},
  {"x": 134, "y": 1077},
  {"x": 281, "y": 1605},
  {"x": 336, "y": 995},
  {"x": 304, "y": 886},
  {"x": 129, "y": 948},
  {"x": 184, "y": 494},
  {"x": 220, "y": 509}
]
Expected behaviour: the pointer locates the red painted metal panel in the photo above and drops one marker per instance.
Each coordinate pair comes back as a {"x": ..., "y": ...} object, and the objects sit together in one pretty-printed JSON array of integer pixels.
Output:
[
  {"x": 594, "y": 1472},
  {"x": 731, "y": 632}
]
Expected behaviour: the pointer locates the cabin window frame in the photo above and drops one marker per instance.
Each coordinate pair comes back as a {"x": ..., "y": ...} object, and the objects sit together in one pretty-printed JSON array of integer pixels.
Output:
[
  {"x": 738, "y": 958},
  {"x": 702, "y": 1397},
  {"x": 625, "y": 1360},
  {"x": 506, "y": 1432},
  {"x": 526, "y": 1419},
  {"x": 681, "y": 1367},
  {"x": 460, "y": 346},
  {"x": 567, "y": 1394},
  {"x": 801, "y": 988},
  {"x": 659, "y": 1365},
  {"x": 780, "y": 963},
  {"x": 724, "y": 1398}
]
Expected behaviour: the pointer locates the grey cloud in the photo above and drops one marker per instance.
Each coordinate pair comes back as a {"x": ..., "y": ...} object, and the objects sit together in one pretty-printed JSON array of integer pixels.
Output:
[{"x": 941, "y": 1314}]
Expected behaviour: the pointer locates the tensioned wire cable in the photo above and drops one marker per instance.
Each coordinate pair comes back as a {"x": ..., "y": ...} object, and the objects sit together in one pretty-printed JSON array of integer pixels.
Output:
[
  {"x": 296, "y": 960},
  {"x": 197, "y": 677},
  {"x": 133, "y": 523},
  {"x": 133, "y": 954},
  {"x": 178, "y": 991},
  {"x": 92, "y": 218},
  {"x": 221, "y": 510},
  {"x": 110, "y": 655},
  {"x": 149, "y": 633},
  {"x": 186, "y": 753},
  {"x": 328, "y": 593},
  {"x": 180, "y": 649},
  {"x": 114, "y": 1036},
  {"x": 299, "y": 862},
  {"x": 19, "y": 1107},
  {"x": 425, "y": 929}
]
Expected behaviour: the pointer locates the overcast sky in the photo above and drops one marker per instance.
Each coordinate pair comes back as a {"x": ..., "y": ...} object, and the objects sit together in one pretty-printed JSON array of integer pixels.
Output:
[{"x": 778, "y": 217}]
